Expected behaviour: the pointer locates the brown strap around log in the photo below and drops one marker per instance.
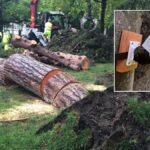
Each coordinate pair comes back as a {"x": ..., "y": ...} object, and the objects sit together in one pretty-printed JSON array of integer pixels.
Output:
[
  {"x": 71, "y": 82},
  {"x": 47, "y": 77},
  {"x": 50, "y": 75}
]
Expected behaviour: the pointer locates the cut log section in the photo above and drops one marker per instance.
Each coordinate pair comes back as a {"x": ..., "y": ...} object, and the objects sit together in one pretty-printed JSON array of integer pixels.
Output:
[
  {"x": 74, "y": 62},
  {"x": 51, "y": 84},
  {"x": 3, "y": 79}
]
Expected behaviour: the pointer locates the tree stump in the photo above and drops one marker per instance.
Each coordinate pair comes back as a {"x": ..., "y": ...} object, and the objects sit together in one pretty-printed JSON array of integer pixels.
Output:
[{"x": 51, "y": 84}]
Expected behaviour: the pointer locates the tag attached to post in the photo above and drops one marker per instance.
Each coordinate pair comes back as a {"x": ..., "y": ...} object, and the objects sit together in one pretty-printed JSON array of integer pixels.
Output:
[
  {"x": 132, "y": 47},
  {"x": 127, "y": 38}
]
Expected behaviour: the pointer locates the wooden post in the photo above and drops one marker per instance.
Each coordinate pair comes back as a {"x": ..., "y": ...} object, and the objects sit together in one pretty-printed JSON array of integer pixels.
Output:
[{"x": 130, "y": 21}]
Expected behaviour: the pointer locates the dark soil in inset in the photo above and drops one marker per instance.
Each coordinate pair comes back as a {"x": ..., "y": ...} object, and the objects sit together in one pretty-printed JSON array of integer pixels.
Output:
[
  {"x": 107, "y": 115},
  {"x": 97, "y": 47}
]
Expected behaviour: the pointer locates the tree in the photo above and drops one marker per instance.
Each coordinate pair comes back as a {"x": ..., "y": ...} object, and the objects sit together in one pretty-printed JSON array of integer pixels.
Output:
[
  {"x": 16, "y": 11},
  {"x": 125, "y": 20}
]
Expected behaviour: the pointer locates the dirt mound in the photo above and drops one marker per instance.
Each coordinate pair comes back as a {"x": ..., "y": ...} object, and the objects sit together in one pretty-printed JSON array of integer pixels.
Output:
[
  {"x": 107, "y": 115},
  {"x": 97, "y": 47}
]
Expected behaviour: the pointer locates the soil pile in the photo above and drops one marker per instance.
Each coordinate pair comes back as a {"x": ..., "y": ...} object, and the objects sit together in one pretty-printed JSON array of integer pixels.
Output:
[
  {"x": 97, "y": 47},
  {"x": 107, "y": 115}
]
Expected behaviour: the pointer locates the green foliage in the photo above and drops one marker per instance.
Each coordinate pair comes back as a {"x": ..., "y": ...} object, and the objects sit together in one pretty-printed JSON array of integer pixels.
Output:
[
  {"x": 16, "y": 11},
  {"x": 139, "y": 110},
  {"x": 136, "y": 5},
  {"x": 7, "y": 53},
  {"x": 111, "y": 6},
  {"x": 127, "y": 144}
]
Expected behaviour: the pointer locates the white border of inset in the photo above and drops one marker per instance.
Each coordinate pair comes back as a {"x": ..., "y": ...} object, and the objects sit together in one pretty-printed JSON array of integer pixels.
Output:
[{"x": 115, "y": 48}]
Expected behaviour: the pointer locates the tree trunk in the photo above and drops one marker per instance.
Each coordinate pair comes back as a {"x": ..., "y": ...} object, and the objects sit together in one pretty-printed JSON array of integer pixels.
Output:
[
  {"x": 142, "y": 81},
  {"x": 131, "y": 21},
  {"x": 3, "y": 79},
  {"x": 51, "y": 84},
  {"x": 72, "y": 61},
  {"x": 103, "y": 9}
]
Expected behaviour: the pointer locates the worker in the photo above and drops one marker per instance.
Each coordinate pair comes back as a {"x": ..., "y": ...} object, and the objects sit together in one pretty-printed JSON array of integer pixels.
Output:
[
  {"x": 48, "y": 30},
  {"x": 6, "y": 40}
]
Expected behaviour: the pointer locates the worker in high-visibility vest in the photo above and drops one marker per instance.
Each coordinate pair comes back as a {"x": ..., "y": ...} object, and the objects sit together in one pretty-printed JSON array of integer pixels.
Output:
[
  {"x": 48, "y": 30},
  {"x": 6, "y": 40}
]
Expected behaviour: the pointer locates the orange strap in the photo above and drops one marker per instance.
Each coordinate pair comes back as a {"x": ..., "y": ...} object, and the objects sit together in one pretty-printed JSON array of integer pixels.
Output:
[
  {"x": 71, "y": 82},
  {"x": 50, "y": 75},
  {"x": 47, "y": 77}
]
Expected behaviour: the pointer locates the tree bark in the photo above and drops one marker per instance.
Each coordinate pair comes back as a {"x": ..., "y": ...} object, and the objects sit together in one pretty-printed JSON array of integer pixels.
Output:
[
  {"x": 131, "y": 21},
  {"x": 51, "y": 84},
  {"x": 142, "y": 81},
  {"x": 74, "y": 62},
  {"x": 103, "y": 10},
  {"x": 3, "y": 79}
]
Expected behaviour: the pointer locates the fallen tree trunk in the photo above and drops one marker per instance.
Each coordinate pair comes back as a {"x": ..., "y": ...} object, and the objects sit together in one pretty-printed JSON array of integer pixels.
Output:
[
  {"x": 3, "y": 79},
  {"x": 51, "y": 84},
  {"x": 74, "y": 62}
]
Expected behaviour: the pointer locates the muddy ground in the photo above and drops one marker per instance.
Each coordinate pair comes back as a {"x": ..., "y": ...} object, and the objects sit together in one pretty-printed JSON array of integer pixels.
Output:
[{"x": 107, "y": 115}]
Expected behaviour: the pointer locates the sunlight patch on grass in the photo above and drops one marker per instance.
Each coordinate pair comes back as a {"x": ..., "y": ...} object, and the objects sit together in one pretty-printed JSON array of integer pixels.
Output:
[
  {"x": 93, "y": 87},
  {"x": 11, "y": 96},
  {"x": 25, "y": 110}
]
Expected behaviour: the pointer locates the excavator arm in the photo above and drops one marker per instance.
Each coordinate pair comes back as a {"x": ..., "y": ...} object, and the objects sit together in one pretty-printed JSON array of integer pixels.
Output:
[{"x": 33, "y": 12}]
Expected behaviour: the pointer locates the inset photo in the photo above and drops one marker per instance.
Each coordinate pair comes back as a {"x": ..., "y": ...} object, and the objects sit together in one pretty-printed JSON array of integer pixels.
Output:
[{"x": 132, "y": 51}]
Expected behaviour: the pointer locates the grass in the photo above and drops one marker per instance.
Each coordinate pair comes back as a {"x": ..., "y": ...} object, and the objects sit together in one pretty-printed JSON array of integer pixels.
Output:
[
  {"x": 140, "y": 110},
  {"x": 21, "y": 136},
  {"x": 95, "y": 72},
  {"x": 17, "y": 136},
  {"x": 12, "y": 96},
  {"x": 127, "y": 144}
]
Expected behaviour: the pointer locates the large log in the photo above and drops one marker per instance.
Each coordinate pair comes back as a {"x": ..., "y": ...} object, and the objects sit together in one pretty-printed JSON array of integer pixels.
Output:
[
  {"x": 74, "y": 62},
  {"x": 3, "y": 79},
  {"x": 51, "y": 84}
]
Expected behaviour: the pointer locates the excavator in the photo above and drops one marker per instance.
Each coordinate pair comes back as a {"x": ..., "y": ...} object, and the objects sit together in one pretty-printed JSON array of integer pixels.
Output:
[{"x": 38, "y": 20}]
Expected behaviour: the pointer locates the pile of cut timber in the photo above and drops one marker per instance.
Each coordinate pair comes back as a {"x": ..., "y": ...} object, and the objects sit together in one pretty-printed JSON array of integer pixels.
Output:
[
  {"x": 51, "y": 84},
  {"x": 74, "y": 62}
]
